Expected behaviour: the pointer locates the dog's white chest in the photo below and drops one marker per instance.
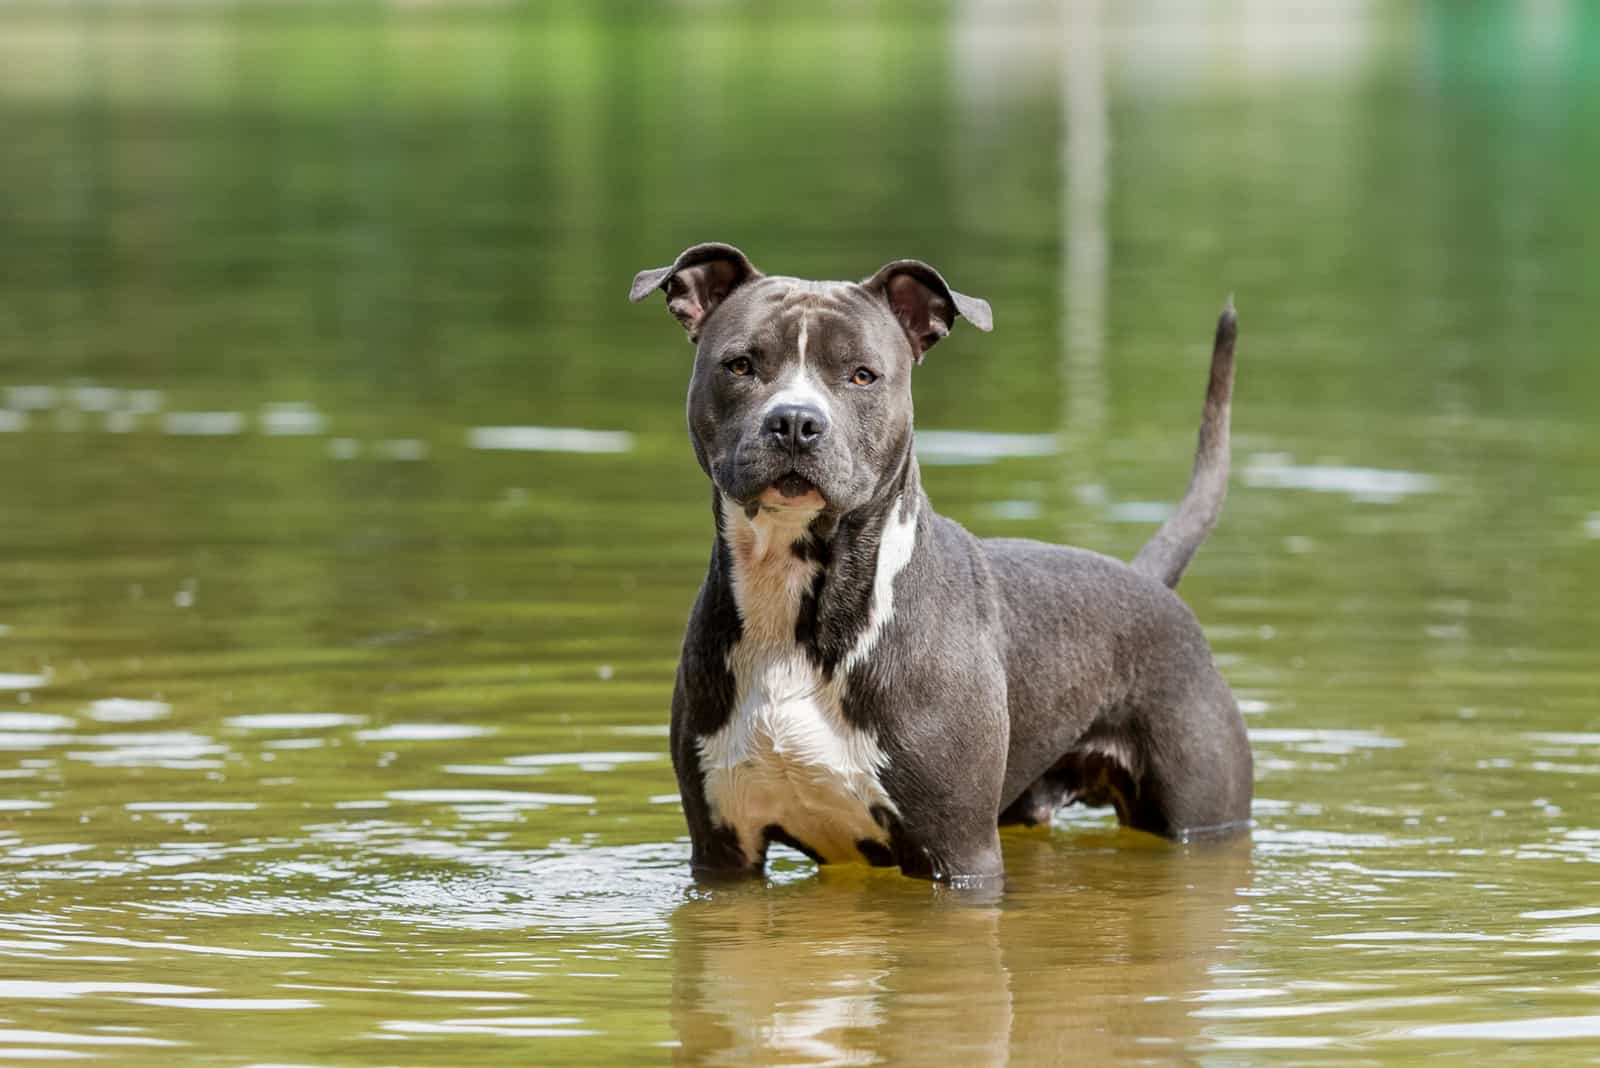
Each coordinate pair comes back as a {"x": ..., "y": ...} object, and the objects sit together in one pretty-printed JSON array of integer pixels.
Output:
[{"x": 787, "y": 760}]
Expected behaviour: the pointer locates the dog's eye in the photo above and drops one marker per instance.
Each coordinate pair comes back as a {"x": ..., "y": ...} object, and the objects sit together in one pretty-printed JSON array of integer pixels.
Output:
[
  {"x": 740, "y": 365},
  {"x": 863, "y": 377}
]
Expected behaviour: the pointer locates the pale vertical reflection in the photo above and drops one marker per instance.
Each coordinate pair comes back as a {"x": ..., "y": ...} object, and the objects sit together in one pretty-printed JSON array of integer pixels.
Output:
[
  {"x": 834, "y": 978},
  {"x": 1085, "y": 175}
]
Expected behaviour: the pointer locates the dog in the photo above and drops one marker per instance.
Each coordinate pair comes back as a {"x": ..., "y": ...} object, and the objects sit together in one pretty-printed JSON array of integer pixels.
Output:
[{"x": 864, "y": 680}]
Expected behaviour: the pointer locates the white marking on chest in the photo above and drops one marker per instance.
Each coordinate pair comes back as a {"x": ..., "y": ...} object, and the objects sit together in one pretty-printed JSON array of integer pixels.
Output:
[
  {"x": 787, "y": 757},
  {"x": 895, "y": 545}
]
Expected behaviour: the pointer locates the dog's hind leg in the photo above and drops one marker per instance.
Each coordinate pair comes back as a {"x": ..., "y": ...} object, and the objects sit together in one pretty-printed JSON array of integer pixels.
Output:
[
  {"x": 1039, "y": 802},
  {"x": 1093, "y": 774},
  {"x": 1195, "y": 773},
  {"x": 1178, "y": 768}
]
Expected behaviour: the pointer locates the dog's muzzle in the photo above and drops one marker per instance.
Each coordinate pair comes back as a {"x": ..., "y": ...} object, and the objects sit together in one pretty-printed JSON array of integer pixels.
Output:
[{"x": 795, "y": 428}]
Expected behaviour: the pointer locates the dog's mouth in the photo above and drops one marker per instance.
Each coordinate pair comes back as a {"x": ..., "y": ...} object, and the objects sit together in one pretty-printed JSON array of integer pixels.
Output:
[
  {"x": 791, "y": 490},
  {"x": 763, "y": 483},
  {"x": 792, "y": 485}
]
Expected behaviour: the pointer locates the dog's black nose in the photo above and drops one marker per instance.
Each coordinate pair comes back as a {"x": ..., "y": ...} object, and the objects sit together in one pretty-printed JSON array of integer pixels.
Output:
[{"x": 797, "y": 427}]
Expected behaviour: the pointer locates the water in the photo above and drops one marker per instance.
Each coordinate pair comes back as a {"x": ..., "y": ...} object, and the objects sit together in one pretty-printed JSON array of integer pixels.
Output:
[{"x": 349, "y": 525}]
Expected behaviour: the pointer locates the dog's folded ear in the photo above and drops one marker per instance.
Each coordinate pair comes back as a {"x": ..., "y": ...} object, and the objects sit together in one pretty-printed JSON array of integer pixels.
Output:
[
  {"x": 696, "y": 282},
  {"x": 925, "y": 305}
]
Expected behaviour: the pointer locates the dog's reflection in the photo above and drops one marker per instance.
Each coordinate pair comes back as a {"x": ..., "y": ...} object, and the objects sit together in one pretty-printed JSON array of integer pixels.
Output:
[{"x": 1093, "y": 950}]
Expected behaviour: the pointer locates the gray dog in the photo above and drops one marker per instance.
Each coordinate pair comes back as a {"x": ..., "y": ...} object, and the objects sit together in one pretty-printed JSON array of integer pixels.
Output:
[{"x": 862, "y": 679}]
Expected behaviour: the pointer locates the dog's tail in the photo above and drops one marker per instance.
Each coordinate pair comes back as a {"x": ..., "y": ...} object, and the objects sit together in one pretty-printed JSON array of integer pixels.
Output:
[{"x": 1166, "y": 555}]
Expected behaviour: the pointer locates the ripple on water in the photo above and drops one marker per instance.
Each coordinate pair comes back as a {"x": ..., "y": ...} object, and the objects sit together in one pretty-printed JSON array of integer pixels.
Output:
[
  {"x": 203, "y": 424},
  {"x": 43, "y": 989},
  {"x": 24, "y": 682},
  {"x": 501, "y": 1026},
  {"x": 160, "y": 749},
  {"x": 548, "y": 439},
  {"x": 1565, "y": 738},
  {"x": 1544, "y": 1028},
  {"x": 1311, "y": 840},
  {"x": 619, "y": 891},
  {"x": 1367, "y": 484},
  {"x": 49, "y": 849},
  {"x": 423, "y": 732},
  {"x": 235, "y": 1004},
  {"x": 1323, "y": 1008},
  {"x": 292, "y": 721},
  {"x": 964, "y": 447},
  {"x": 1324, "y": 740},
  {"x": 1247, "y": 1042},
  {"x": 490, "y": 769},
  {"x": 124, "y": 710},
  {"x": 191, "y": 806},
  {"x": 34, "y": 740},
  {"x": 59, "y": 1038},
  {"x": 1560, "y": 914},
  {"x": 492, "y": 797},
  {"x": 584, "y": 761},
  {"x": 35, "y": 721}
]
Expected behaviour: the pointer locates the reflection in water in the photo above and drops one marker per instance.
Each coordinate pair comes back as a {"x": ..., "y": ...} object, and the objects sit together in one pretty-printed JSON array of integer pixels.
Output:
[
  {"x": 1086, "y": 245},
  {"x": 1089, "y": 955},
  {"x": 831, "y": 972},
  {"x": 1148, "y": 926}
]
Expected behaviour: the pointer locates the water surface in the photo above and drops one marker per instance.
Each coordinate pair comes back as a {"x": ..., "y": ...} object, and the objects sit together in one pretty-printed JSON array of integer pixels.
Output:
[{"x": 349, "y": 527}]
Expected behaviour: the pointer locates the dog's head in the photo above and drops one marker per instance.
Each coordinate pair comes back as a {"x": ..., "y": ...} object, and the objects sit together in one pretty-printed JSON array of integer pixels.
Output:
[{"x": 801, "y": 393}]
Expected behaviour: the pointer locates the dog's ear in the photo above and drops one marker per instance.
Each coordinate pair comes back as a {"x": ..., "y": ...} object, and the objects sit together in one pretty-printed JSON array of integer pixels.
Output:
[
  {"x": 925, "y": 305},
  {"x": 696, "y": 282}
]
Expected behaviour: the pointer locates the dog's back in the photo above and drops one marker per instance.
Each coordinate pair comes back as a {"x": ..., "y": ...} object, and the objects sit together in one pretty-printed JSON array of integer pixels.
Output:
[
  {"x": 1113, "y": 686},
  {"x": 1107, "y": 689}
]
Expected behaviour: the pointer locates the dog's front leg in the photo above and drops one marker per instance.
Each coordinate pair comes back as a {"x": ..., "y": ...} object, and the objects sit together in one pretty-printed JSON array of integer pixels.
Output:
[
  {"x": 698, "y": 701},
  {"x": 966, "y": 857},
  {"x": 947, "y": 785},
  {"x": 715, "y": 850},
  {"x": 716, "y": 856}
]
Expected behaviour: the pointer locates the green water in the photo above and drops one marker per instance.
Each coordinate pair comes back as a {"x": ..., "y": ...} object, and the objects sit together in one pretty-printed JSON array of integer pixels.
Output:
[{"x": 331, "y": 737}]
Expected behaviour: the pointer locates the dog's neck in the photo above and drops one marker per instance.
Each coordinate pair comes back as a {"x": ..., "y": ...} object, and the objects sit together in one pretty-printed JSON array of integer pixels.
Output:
[{"x": 818, "y": 582}]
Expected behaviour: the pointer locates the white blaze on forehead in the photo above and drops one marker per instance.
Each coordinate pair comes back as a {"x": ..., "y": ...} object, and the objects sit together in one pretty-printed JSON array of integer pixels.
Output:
[{"x": 799, "y": 386}]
